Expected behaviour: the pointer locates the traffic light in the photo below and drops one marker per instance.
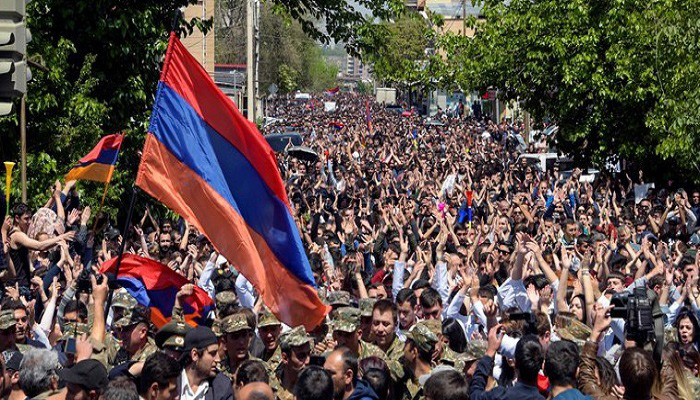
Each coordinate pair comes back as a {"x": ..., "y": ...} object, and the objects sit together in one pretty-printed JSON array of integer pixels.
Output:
[{"x": 14, "y": 37}]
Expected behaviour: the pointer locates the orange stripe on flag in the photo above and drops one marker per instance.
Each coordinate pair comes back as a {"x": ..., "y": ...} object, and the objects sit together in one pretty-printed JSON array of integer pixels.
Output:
[
  {"x": 93, "y": 172},
  {"x": 170, "y": 181}
]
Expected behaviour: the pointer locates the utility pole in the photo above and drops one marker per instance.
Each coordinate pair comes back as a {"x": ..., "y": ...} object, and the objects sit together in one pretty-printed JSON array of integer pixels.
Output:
[
  {"x": 464, "y": 17},
  {"x": 527, "y": 127},
  {"x": 250, "y": 60},
  {"x": 23, "y": 145},
  {"x": 256, "y": 22}
]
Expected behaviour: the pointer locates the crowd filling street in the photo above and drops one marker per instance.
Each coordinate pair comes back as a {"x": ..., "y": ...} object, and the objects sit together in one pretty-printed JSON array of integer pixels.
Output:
[{"x": 454, "y": 268}]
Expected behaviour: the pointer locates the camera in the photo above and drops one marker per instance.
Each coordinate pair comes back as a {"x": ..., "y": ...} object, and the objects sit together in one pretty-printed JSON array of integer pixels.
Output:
[
  {"x": 530, "y": 321},
  {"x": 636, "y": 309},
  {"x": 83, "y": 283}
]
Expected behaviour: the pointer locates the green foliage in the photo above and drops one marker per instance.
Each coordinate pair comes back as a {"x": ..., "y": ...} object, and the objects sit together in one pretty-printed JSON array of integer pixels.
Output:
[
  {"x": 103, "y": 60},
  {"x": 364, "y": 88},
  {"x": 288, "y": 78},
  {"x": 618, "y": 77},
  {"x": 402, "y": 59},
  {"x": 341, "y": 21},
  {"x": 289, "y": 57}
]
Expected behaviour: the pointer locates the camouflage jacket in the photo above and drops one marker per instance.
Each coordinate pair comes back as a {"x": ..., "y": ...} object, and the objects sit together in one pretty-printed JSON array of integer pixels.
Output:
[
  {"x": 395, "y": 351},
  {"x": 225, "y": 366},
  {"x": 274, "y": 360}
]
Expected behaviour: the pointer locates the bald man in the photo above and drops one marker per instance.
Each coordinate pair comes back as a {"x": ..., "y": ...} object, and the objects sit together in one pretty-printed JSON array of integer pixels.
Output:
[{"x": 256, "y": 391}]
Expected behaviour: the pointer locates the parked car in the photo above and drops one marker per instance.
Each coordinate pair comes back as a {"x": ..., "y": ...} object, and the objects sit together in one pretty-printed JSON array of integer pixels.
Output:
[{"x": 279, "y": 141}]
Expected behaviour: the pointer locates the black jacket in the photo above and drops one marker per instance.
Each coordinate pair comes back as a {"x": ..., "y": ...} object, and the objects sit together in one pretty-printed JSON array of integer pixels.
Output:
[
  {"x": 220, "y": 388},
  {"x": 519, "y": 391}
]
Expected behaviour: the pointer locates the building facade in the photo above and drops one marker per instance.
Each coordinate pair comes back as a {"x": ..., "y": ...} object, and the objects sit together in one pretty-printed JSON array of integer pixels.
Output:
[{"x": 199, "y": 45}]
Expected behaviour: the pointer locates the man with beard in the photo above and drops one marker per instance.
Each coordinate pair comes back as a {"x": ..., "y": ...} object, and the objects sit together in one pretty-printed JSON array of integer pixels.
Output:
[
  {"x": 295, "y": 348},
  {"x": 342, "y": 365},
  {"x": 165, "y": 242},
  {"x": 200, "y": 379},
  {"x": 269, "y": 329}
]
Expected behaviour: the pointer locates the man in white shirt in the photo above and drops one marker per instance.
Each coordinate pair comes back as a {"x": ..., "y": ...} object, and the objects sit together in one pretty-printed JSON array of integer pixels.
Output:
[{"x": 200, "y": 379}]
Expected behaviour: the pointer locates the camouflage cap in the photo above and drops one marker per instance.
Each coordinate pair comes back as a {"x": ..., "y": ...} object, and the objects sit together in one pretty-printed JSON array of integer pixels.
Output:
[
  {"x": 569, "y": 328},
  {"x": 423, "y": 336},
  {"x": 7, "y": 319},
  {"x": 234, "y": 323},
  {"x": 216, "y": 327},
  {"x": 133, "y": 316},
  {"x": 172, "y": 335},
  {"x": 366, "y": 307},
  {"x": 267, "y": 318},
  {"x": 339, "y": 298},
  {"x": 124, "y": 300},
  {"x": 476, "y": 349},
  {"x": 347, "y": 319},
  {"x": 73, "y": 329},
  {"x": 435, "y": 326},
  {"x": 322, "y": 295},
  {"x": 227, "y": 297},
  {"x": 295, "y": 337}
]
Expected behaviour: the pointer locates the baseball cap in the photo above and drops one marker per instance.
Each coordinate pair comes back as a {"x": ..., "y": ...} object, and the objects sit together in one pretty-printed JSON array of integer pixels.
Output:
[
  {"x": 339, "y": 298},
  {"x": 199, "y": 338},
  {"x": 267, "y": 318},
  {"x": 133, "y": 316},
  {"x": 7, "y": 319},
  {"x": 366, "y": 307},
  {"x": 90, "y": 374},
  {"x": 124, "y": 300},
  {"x": 234, "y": 323},
  {"x": 295, "y": 337},
  {"x": 423, "y": 337},
  {"x": 13, "y": 359},
  {"x": 347, "y": 319}
]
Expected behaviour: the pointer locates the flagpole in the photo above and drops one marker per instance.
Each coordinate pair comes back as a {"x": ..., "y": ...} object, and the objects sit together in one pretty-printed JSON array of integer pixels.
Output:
[
  {"x": 134, "y": 189},
  {"x": 122, "y": 245},
  {"x": 99, "y": 209}
]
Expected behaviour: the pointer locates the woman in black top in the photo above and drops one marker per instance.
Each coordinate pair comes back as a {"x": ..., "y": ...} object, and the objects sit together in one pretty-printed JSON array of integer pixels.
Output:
[{"x": 21, "y": 244}]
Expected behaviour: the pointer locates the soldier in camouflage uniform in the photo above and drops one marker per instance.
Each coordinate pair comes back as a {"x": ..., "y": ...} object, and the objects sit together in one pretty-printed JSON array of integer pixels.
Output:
[
  {"x": 237, "y": 335},
  {"x": 132, "y": 329},
  {"x": 295, "y": 346},
  {"x": 65, "y": 347},
  {"x": 7, "y": 330},
  {"x": 269, "y": 329},
  {"x": 22, "y": 328},
  {"x": 339, "y": 298},
  {"x": 443, "y": 353},
  {"x": 347, "y": 333},
  {"x": 121, "y": 302},
  {"x": 466, "y": 362},
  {"x": 417, "y": 361},
  {"x": 366, "y": 306},
  {"x": 384, "y": 317},
  {"x": 569, "y": 328}
]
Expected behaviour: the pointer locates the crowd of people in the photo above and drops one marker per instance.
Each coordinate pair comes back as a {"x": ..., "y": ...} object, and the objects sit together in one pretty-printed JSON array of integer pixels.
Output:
[{"x": 454, "y": 270}]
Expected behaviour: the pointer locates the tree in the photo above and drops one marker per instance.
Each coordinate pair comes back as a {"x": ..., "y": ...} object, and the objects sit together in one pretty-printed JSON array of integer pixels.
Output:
[
  {"x": 342, "y": 21},
  {"x": 103, "y": 60},
  {"x": 403, "y": 55},
  {"x": 617, "y": 77}
]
